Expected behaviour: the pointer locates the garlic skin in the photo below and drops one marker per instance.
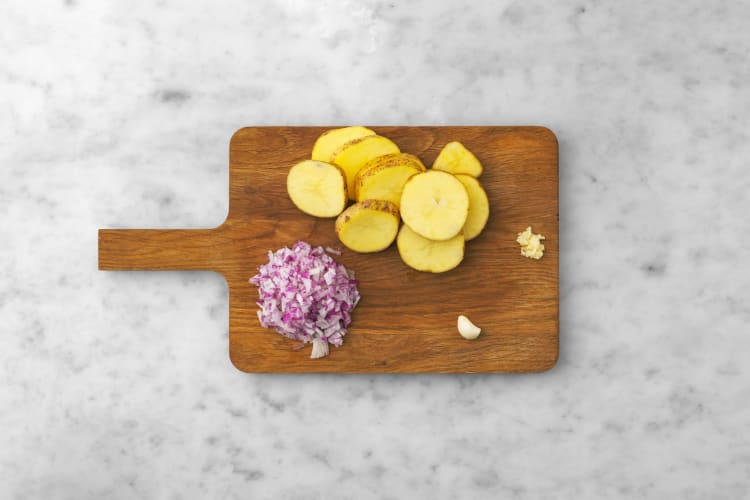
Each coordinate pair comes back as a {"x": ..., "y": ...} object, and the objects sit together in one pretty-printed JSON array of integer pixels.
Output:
[{"x": 467, "y": 329}]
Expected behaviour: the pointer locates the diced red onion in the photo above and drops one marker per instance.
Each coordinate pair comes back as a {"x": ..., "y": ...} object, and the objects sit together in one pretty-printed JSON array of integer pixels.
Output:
[{"x": 305, "y": 294}]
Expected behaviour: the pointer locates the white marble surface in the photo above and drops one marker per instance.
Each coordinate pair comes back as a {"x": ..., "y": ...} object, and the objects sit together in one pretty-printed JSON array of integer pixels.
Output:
[{"x": 118, "y": 385}]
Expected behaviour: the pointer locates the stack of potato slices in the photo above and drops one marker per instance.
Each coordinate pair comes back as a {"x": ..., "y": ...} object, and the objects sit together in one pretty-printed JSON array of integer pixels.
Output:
[{"x": 441, "y": 208}]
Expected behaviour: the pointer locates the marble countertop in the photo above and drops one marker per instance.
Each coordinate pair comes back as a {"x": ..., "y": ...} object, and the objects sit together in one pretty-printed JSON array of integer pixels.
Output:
[{"x": 118, "y": 385}]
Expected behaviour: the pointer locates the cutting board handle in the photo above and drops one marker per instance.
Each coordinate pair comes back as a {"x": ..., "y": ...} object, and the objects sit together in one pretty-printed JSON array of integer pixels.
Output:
[{"x": 159, "y": 249}]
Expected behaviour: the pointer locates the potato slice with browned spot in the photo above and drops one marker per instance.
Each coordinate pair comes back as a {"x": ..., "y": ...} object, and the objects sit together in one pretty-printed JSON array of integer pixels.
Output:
[
  {"x": 383, "y": 178},
  {"x": 353, "y": 155},
  {"x": 368, "y": 226}
]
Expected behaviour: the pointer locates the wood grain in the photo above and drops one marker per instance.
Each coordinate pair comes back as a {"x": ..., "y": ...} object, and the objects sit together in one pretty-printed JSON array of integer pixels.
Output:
[{"x": 406, "y": 320}]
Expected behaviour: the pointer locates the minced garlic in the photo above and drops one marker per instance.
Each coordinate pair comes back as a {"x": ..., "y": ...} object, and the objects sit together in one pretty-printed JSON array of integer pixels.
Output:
[{"x": 531, "y": 244}]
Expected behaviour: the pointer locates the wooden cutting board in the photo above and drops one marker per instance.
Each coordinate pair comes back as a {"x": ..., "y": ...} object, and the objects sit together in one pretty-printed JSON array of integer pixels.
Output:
[{"x": 406, "y": 320}]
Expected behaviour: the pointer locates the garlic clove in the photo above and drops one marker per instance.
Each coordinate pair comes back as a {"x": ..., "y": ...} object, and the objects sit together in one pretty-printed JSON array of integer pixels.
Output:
[{"x": 467, "y": 329}]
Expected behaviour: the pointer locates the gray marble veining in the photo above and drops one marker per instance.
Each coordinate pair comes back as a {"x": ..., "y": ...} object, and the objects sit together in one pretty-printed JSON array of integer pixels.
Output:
[{"x": 118, "y": 385}]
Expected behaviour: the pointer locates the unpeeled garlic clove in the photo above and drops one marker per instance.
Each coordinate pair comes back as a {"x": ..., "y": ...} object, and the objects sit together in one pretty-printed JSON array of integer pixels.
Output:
[{"x": 467, "y": 329}]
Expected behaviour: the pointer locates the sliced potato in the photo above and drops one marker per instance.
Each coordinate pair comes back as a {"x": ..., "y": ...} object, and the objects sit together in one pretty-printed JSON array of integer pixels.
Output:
[
  {"x": 456, "y": 159},
  {"x": 479, "y": 207},
  {"x": 435, "y": 205},
  {"x": 317, "y": 188},
  {"x": 353, "y": 155},
  {"x": 368, "y": 226},
  {"x": 383, "y": 178},
  {"x": 331, "y": 140},
  {"x": 428, "y": 255}
]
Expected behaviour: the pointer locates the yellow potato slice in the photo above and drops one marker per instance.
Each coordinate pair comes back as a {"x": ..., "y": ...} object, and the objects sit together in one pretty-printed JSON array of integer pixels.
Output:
[
  {"x": 428, "y": 255},
  {"x": 368, "y": 226},
  {"x": 435, "y": 205},
  {"x": 479, "y": 207},
  {"x": 353, "y": 155},
  {"x": 317, "y": 188},
  {"x": 383, "y": 178},
  {"x": 332, "y": 140},
  {"x": 456, "y": 159}
]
